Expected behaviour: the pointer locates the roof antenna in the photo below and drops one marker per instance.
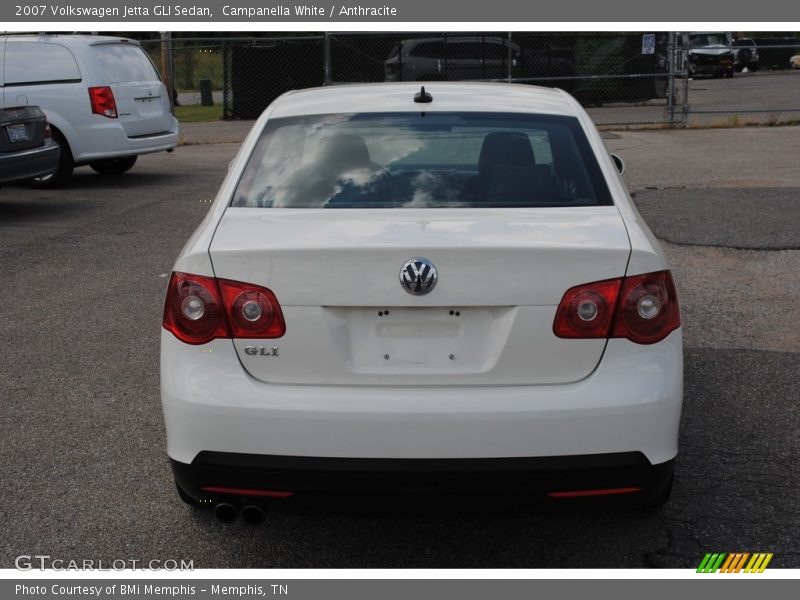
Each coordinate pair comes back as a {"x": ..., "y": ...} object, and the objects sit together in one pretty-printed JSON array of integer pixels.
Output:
[{"x": 422, "y": 96}]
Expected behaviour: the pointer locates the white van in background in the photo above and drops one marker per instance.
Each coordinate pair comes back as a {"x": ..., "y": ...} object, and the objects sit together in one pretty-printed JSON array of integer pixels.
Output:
[{"x": 102, "y": 95}]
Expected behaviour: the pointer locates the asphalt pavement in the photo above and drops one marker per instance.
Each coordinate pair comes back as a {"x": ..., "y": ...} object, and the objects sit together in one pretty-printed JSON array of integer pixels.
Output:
[
  {"x": 756, "y": 219},
  {"x": 83, "y": 468}
]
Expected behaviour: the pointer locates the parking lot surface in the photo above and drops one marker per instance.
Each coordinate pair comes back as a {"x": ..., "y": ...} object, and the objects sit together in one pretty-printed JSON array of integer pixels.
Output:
[{"x": 83, "y": 466}]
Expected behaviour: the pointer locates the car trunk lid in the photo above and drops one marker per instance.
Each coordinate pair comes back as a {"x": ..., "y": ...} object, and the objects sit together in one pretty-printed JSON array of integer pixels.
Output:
[
  {"x": 502, "y": 273},
  {"x": 21, "y": 128}
]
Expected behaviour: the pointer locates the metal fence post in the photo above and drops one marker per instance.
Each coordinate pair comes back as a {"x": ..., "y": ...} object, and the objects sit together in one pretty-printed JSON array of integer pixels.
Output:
[
  {"x": 510, "y": 59},
  {"x": 672, "y": 54},
  {"x": 327, "y": 58},
  {"x": 685, "y": 57},
  {"x": 166, "y": 65},
  {"x": 227, "y": 111}
]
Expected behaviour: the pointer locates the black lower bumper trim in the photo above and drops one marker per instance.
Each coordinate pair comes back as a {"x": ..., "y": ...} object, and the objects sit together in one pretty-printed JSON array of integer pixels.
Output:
[{"x": 395, "y": 476}]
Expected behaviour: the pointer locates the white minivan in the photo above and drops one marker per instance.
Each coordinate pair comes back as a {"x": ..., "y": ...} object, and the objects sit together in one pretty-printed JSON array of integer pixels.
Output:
[{"x": 103, "y": 98}]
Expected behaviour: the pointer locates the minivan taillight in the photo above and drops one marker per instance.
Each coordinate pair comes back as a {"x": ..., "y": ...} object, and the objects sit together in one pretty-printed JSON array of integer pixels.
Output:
[
  {"x": 641, "y": 308},
  {"x": 199, "y": 309},
  {"x": 103, "y": 103}
]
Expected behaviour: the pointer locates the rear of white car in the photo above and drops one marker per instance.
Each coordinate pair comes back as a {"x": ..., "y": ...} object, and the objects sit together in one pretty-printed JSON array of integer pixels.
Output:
[
  {"x": 406, "y": 290},
  {"x": 102, "y": 96}
]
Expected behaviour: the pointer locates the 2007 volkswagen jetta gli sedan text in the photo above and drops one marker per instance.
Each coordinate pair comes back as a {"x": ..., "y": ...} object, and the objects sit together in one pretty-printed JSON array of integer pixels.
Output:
[{"x": 401, "y": 289}]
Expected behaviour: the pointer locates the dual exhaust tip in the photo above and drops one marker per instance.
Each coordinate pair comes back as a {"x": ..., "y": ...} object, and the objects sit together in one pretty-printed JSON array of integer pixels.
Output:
[{"x": 252, "y": 514}]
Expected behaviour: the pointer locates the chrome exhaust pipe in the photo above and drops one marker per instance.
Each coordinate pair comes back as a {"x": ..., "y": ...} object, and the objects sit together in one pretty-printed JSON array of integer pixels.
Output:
[
  {"x": 225, "y": 513},
  {"x": 253, "y": 514}
]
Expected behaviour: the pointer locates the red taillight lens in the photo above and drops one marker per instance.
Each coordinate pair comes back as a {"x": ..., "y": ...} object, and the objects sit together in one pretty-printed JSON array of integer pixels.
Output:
[
  {"x": 193, "y": 310},
  {"x": 586, "y": 311},
  {"x": 641, "y": 308},
  {"x": 48, "y": 133},
  {"x": 199, "y": 309},
  {"x": 648, "y": 308},
  {"x": 103, "y": 103},
  {"x": 254, "y": 311}
]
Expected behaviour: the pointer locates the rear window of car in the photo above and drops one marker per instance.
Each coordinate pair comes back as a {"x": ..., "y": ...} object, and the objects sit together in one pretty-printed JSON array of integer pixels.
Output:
[
  {"x": 124, "y": 63},
  {"x": 422, "y": 160}
]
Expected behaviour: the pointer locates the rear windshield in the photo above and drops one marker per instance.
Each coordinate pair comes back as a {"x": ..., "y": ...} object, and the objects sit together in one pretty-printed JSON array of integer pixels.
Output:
[
  {"x": 124, "y": 63},
  {"x": 422, "y": 160}
]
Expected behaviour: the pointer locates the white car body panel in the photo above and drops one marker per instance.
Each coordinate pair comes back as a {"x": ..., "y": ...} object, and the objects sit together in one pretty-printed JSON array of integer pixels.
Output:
[
  {"x": 334, "y": 398},
  {"x": 632, "y": 401}
]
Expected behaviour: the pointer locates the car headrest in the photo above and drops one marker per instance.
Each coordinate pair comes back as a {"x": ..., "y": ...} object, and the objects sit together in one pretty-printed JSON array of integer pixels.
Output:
[
  {"x": 511, "y": 148},
  {"x": 344, "y": 152}
]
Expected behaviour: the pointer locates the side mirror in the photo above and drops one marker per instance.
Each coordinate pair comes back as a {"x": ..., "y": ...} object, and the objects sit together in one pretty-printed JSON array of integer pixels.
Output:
[{"x": 619, "y": 163}]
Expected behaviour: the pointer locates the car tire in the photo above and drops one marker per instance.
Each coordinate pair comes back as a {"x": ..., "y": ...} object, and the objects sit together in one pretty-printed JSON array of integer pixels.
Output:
[
  {"x": 729, "y": 73},
  {"x": 65, "y": 166},
  {"x": 113, "y": 166}
]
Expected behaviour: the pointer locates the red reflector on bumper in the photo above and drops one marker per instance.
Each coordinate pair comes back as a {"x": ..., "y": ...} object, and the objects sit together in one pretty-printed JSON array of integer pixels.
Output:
[
  {"x": 604, "y": 492},
  {"x": 245, "y": 492}
]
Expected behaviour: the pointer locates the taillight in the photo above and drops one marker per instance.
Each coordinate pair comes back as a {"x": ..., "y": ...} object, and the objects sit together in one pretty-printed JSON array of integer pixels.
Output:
[
  {"x": 254, "y": 311},
  {"x": 648, "y": 308},
  {"x": 586, "y": 311},
  {"x": 103, "y": 103},
  {"x": 48, "y": 133},
  {"x": 199, "y": 309},
  {"x": 641, "y": 308},
  {"x": 193, "y": 310}
]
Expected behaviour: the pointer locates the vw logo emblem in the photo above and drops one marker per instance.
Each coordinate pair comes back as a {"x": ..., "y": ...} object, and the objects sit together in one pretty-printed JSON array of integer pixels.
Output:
[{"x": 418, "y": 276}]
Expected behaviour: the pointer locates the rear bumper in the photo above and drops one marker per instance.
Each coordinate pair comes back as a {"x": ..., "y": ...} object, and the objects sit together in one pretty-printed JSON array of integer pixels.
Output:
[
  {"x": 214, "y": 475},
  {"x": 106, "y": 139},
  {"x": 630, "y": 403},
  {"x": 18, "y": 166},
  {"x": 711, "y": 69}
]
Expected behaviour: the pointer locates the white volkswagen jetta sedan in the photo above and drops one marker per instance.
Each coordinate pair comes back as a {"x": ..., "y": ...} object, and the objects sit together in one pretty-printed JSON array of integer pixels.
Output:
[{"x": 405, "y": 289}]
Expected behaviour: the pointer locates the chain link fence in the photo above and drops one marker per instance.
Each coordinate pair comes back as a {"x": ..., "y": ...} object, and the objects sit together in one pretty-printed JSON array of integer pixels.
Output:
[{"x": 623, "y": 79}]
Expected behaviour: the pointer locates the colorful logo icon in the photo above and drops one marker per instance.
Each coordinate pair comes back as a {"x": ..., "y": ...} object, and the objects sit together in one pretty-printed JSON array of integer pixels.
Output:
[{"x": 722, "y": 562}]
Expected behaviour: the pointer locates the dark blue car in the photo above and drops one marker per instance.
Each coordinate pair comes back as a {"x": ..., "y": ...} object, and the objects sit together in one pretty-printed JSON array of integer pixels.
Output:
[{"x": 27, "y": 149}]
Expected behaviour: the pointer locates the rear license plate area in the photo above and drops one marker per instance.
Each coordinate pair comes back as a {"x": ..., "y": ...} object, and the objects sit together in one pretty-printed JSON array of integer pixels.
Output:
[
  {"x": 421, "y": 340},
  {"x": 17, "y": 133}
]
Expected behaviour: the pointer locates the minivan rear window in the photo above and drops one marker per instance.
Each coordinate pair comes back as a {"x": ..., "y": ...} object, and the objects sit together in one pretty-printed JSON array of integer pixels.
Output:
[
  {"x": 422, "y": 160},
  {"x": 125, "y": 63}
]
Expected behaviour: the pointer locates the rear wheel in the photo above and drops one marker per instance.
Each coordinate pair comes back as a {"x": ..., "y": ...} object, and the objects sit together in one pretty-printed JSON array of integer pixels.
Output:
[
  {"x": 113, "y": 166},
  {"x": 65, "y": 166}
]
